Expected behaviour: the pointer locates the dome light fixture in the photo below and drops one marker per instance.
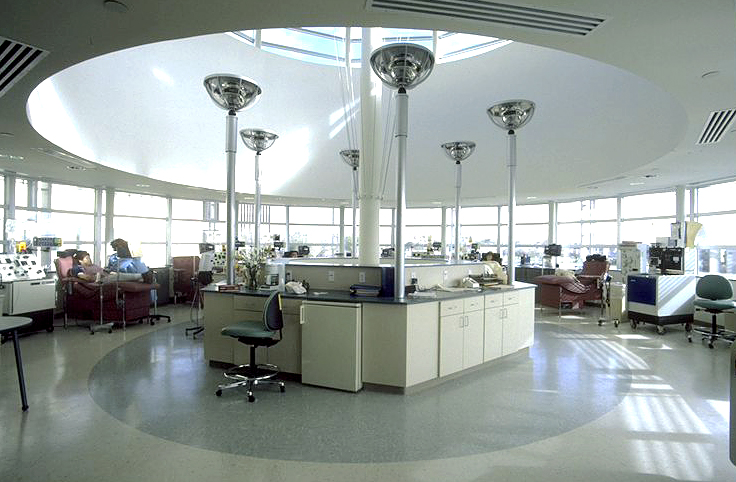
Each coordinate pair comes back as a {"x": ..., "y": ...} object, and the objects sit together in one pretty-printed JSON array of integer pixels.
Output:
[
  {"x": 258, "y": 140},
  {"x": 401, "y": 66},
  {"x": 458, "y": 151},
  {"x": 231, "y": 93},
  {"x": 511, "y": 115}
]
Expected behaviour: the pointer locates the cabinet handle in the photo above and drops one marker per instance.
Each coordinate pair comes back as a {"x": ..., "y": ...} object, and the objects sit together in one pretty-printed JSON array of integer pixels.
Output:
[{"x": 301, "y": 314}]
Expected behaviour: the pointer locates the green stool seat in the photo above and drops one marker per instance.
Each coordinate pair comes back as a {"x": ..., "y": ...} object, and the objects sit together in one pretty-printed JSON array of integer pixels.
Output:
[
  {"x": 248, "y": 329},
  {"x": 719, "y": 305}
]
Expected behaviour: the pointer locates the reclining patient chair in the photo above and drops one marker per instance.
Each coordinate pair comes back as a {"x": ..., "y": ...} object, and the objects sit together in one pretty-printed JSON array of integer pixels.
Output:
[
  {"x": 556, "y": 291},
  {"x": 121, "y": 302}
]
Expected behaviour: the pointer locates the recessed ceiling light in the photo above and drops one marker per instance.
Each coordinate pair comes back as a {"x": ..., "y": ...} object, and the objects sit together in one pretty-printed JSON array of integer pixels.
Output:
[
  {"x": 7, "y": 134},
  {"x": 710, "y": 74},
  {"x": 636, "y": 184},
  {"x": 142, "y": 185},
  {"x": 115, "y": 6},
  {"x": 531, "y": 197},
  {"x": 76, "y": 168}
]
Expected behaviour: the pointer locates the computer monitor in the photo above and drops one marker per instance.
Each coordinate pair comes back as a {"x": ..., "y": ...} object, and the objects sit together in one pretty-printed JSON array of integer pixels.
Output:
[
  {"x": 553, "y": 250},
  {"x": 205, "y": 247},
  {"x": 673, "y": 260}
]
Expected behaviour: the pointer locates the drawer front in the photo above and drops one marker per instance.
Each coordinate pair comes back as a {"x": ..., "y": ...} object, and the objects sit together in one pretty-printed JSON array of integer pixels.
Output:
[
  {"x": 495, "y": 300},
  {"x": 451, "y": 307},
  {"x": 248, "y": 303},
  {"x": 511, "y": 298},
  {"x": 473, "y": 304}
]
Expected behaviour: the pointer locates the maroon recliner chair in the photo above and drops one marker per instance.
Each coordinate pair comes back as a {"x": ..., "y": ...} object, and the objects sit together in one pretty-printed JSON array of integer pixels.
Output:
[
  {"x": 556, "y": 291},
  {"x": 122, "y": 302}
]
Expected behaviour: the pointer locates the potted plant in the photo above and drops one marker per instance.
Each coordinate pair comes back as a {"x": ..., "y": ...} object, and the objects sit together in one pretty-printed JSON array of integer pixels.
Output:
[{"x": 248, "y": 266}]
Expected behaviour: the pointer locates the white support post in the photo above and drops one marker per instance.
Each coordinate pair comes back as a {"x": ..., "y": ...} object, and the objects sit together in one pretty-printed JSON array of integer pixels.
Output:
[
  {"x": 402, "y": 131},
  {"x": 512, "y": 205},
  {"x": 257, "y": 207},
  {"x": 231, "y": 147},
  {"x": 458, "y": 186}
]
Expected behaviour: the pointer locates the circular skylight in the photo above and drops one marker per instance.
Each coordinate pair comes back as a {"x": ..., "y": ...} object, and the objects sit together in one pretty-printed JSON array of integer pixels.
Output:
[{"x": 326, "y": 45}]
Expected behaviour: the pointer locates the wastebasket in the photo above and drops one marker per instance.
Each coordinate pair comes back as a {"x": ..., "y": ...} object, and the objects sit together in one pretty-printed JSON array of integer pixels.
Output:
[{"x": 618, "y": 303}]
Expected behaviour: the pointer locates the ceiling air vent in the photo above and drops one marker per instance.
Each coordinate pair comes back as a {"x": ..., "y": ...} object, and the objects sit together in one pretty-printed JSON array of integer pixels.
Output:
[
  {"x": 717, "y": 124},
  {"x": 16, "y": 59},
  {"x": 498, "y": 13}
]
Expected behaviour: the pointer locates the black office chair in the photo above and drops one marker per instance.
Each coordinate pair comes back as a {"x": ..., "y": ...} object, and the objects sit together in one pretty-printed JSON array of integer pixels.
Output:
[
  {"x": 714, "y": 296},
  {"x": 256, "y": 334}
]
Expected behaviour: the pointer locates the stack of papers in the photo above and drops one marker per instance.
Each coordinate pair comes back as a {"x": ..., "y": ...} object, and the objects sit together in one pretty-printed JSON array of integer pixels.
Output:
[{"x": 365, "y": 290}]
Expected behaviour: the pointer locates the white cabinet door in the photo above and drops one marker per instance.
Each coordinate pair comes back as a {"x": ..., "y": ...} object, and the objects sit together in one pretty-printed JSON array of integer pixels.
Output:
[
  {"x": 331, "y": 341},
  {"x": 493, "y": 334},
  {"x": 511, "y": 330},
  {"x": 473, "y": 339},
  {"x": 451, "y": 344},
  {"x": 526, "y": 318}
]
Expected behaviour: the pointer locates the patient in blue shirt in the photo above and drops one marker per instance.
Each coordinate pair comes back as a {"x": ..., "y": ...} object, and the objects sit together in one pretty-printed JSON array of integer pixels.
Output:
[{"x": 122, "y": 261}]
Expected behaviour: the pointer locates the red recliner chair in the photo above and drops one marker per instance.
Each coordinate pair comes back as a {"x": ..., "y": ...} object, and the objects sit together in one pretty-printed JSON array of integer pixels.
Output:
[
  {"x": 122, "y": 302},
  {"x": 185, "y": 269},
  {"x": 556, "y": 291}
]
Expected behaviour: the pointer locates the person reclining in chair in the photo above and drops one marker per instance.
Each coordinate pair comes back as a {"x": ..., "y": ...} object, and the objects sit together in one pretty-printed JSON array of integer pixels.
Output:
[
  {"x": 122, "y": 261},
  {"x": 86, "y": 270}
]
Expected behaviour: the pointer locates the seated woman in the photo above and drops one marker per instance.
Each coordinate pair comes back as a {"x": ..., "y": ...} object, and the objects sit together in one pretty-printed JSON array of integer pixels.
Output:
[{"x": 84, "y": 268}]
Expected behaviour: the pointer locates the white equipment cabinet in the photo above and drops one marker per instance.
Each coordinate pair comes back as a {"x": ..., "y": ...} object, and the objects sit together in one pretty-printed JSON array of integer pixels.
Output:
[
  {"x": 660, "y": 299},
  {"x": 331, "y": 345},
  {"x": 28, "y": 296}
]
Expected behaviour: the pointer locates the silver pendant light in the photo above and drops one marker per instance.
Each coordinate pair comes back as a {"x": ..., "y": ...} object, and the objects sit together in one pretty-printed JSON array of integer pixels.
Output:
[
  {"x": 232, "y": 93},
  {"x": 511, "y": 115},
  {"x": 352, "y": 159},
  {"x": 458, "y": 152},
  {"x": 401, "y": 66},
  {"x": 257, "y": 140}
]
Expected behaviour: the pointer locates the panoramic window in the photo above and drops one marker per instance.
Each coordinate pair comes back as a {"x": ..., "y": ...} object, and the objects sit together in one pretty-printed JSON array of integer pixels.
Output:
[{"x": 326, "y": 45}]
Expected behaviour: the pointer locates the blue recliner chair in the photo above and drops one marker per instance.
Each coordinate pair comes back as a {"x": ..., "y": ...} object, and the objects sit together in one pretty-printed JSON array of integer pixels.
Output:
[{"x": 714, "y": 295}]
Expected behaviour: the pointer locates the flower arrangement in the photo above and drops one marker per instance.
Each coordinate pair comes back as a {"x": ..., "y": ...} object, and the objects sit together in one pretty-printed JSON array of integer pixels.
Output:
[{"x": 248, "y": 265}]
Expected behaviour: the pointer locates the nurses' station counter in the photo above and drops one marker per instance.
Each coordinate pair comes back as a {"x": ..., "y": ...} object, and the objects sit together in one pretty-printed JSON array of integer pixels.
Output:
[{"x": 334, "y": 339}]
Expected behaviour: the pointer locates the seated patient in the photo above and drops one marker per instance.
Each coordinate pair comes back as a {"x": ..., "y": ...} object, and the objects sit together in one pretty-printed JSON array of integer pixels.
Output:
[
  {"x": 123, "y": 261},
  {"x": 84, "y": 268}
]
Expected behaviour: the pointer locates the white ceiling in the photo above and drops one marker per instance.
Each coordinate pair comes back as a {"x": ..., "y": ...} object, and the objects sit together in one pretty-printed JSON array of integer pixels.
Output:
[{"x": 597, "y": 128}]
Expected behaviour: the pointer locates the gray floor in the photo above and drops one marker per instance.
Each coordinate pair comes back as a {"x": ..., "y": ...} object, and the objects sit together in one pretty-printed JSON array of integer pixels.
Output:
[{"x": 586, "y": 403}]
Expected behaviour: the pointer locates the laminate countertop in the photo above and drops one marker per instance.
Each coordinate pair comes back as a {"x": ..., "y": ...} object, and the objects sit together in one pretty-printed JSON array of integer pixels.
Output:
[{"x": 344, "y": 296}]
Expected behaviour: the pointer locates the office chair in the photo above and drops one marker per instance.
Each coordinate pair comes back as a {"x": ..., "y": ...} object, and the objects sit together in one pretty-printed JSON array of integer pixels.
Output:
[
  {"x": 714, "y": 296},
  {"x": 255, "y": 334}
]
